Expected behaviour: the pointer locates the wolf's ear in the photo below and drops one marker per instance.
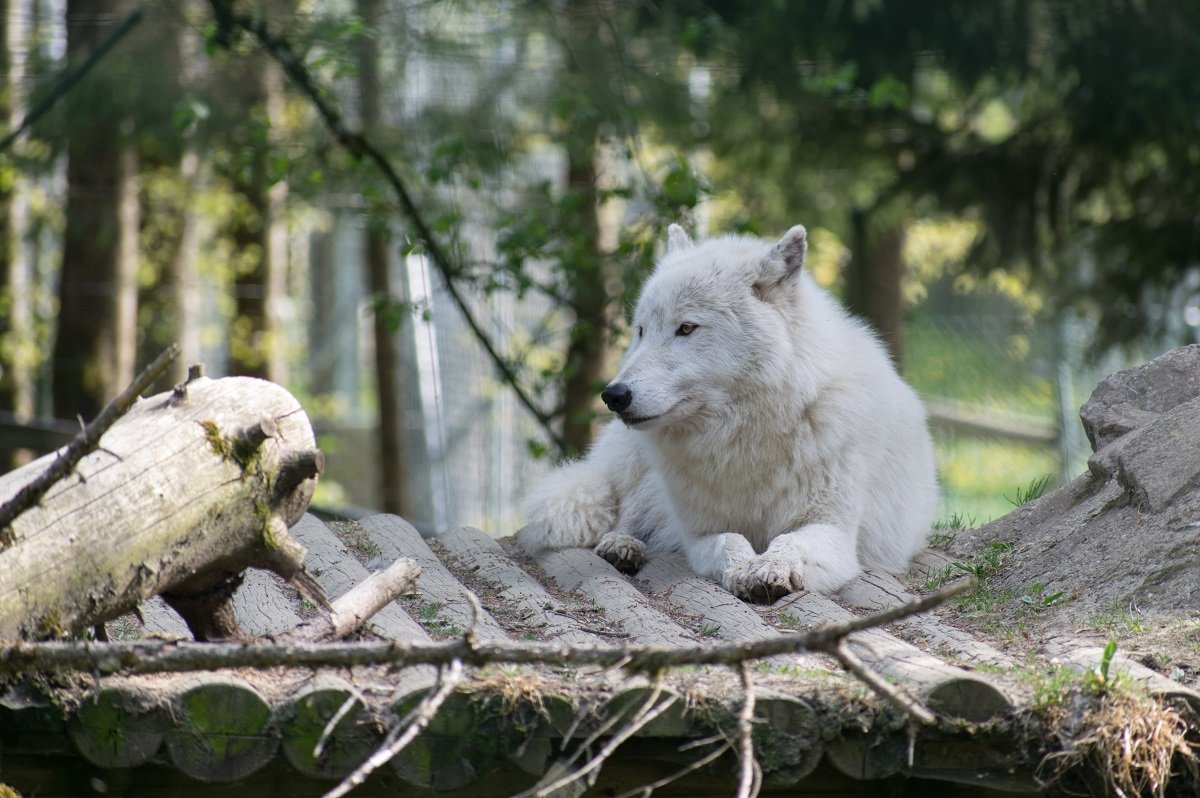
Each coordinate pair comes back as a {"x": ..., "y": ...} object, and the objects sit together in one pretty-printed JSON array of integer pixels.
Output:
[
  {"x": 677, "y": 239},
  {"x": 784, "y": 262}
]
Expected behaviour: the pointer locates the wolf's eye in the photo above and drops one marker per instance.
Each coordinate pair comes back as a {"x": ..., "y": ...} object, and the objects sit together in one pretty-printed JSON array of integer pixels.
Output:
[
  {"x": 687, "y": 328},
  {"x": 639, "y": 329}
]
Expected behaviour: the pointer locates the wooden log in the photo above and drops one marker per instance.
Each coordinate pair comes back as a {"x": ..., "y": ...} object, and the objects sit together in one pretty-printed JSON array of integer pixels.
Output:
[
  {"x": 581, "y": 571},
  {"x": 182, "y": 495},
  {"x": 262, "y": 605},
  {"x": 456, "y": 748},
  {"x": 931, "y": 562},
  {"x": 876, "y": 590},
  {"x": 632, "y": 694},
  {"x": 159, "y": 619},
  {"x": 118, "y": 726},
  {"x": 787, "y": 737},
  {"x": 536, "y": 606},
  {"x": 945, "y": 689},
  {"x": 868, "y": 757},
  {"x": 721, "y": 614},
  {"x": 1085, "y": 655},
  {"x": 224, "y": 729},
  {"x": 303, "y": 723},
  {"x": 397, "y": 538},
  {"x": 338, "y": 572},
  {"x": 31, "y": 720}
]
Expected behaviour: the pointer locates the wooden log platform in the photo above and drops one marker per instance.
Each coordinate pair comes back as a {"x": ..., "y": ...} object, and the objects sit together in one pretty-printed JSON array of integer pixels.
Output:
[{"x": 813, "y": 724}]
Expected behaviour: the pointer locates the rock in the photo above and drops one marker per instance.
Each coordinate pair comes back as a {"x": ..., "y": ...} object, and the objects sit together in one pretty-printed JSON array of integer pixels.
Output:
[
  {"x": 1163, "y": 461},
  {"x": 1127, "y": 534},
  {"x": 1133, "y": 398}
]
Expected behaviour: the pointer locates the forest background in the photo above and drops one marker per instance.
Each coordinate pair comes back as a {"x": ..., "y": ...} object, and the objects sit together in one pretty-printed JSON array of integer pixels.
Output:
[{"x": 428, "y": 219}]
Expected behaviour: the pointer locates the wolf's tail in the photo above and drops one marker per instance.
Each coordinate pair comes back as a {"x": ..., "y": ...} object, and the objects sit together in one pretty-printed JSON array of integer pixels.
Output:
[{"x": 574, "y": 505}]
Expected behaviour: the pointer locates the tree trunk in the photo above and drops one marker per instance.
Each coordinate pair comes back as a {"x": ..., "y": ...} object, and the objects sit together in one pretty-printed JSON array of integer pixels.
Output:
[
  {"x": 875, "y": 279},
  {"x": 588, "y": 349},
  {"x": 259, "y": 233},
  {"x": 93, "y": 348},
  {"x": 169, "y": 308},
  {"x": 17, "y": 346},
  {"x": 393, "y": 466},
  {"x": 185, "y": 493}
]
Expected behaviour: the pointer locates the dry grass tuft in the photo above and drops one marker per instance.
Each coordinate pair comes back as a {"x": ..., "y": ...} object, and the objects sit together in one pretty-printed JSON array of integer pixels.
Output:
[
  {"x": 516, "y": 689},
  {"x": 1129, "y": 746}
]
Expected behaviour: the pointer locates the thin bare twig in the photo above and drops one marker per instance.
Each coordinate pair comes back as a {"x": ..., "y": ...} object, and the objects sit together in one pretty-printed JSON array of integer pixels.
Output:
[
  {"x": 71, "y": 75},
  {"x": 87, "y": 441},
  {"x": 327, "y": 732},
  {"x": 749, "y": 774},
  {"x": 404, "y": 732},
  {"x": 360, "y": 147},
  {"x": 649, "y": 710},
  {"x": 852, "y": 663},
  {"x": 646, "y": 790}
]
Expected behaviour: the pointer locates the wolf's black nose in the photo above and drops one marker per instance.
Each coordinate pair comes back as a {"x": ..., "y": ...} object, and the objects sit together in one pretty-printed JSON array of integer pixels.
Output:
[{"x": 617, "y": 396}]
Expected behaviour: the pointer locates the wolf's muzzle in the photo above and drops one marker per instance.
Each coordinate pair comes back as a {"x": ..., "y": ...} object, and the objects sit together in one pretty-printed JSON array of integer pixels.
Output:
[{"x": 617, "y": 396}]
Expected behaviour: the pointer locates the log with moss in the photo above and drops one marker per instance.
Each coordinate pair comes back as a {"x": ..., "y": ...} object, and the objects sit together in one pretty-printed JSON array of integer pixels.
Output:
[{"x": 187, "y": 490}]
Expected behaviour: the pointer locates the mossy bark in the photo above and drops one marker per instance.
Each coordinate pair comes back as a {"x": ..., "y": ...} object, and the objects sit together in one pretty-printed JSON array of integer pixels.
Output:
[{"x": 162, "y": 508}]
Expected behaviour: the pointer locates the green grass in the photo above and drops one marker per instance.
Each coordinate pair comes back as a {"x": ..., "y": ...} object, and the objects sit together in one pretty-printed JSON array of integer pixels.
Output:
[
  {"x": 947, "y": 529},
  {"x": 1035, "y": 490},
  {"x": 976, "y": 474}
]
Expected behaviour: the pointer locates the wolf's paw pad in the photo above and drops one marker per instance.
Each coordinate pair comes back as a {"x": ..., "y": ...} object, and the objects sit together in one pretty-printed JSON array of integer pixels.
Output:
[
  {"x": 625, "y": 552},
  {"x": 763, "y": 579}
]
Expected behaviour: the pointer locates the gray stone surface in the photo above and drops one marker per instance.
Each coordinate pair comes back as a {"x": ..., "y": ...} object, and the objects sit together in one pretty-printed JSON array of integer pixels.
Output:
[
  {"x": 1126, "y": 534},
  {"x": 1133, "y": 398}
]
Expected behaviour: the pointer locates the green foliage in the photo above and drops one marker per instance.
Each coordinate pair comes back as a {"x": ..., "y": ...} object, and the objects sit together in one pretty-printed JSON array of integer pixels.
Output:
[
  {"x": 1101, "y": 677},
  {"x": 1037, "y": 599}
]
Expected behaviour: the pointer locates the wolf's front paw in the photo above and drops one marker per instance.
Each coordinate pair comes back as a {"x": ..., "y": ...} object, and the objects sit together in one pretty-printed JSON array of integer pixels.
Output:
[
  {"x": 625, "y": 552},
  {"x": 763, "y": 579}
]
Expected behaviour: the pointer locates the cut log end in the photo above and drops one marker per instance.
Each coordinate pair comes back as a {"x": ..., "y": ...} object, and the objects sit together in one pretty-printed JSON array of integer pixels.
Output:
[
  {"x": 207, "y": 607},
  {"x": 297, "y": 479}
]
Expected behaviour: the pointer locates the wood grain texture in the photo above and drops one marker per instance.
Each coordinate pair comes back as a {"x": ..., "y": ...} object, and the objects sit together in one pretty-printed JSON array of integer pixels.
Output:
[
  {"x": 224, "y": 729},
  {"x": 537, "y": 607},
  {"x": 581, "y": 571},
  {"x": 877, "y": 590},
  {"x": 338, "y": 572},
  {"x": 946, "y": 689},
  {"x": 161, "y": 504},
  {"x": 397, "y": 538}
]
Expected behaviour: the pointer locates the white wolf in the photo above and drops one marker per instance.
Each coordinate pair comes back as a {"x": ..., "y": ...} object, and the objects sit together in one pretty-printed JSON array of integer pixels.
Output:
[{"x": 761, "y": 429}]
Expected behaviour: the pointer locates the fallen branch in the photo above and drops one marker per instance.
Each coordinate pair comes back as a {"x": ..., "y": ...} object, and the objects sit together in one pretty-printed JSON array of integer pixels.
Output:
[
  {"x": 156, "y": 656},
  {"x": 354, "y": 608},
  {"x": 359, "y": 146},
  {"x": 86, "y": 442},
  {"x": 848, "y": 660}
]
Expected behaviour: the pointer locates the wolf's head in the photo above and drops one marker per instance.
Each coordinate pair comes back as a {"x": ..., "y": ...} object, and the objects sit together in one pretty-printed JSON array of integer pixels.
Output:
[{"x": 713, "y": 322}]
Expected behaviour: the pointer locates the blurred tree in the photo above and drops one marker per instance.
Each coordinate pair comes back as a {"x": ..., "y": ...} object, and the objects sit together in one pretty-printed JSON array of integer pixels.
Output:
[
  {"x": 258, "y": 229},
  {"x": 170, "y": 114},
  {"x": 1069, "y": 129},
  {"x": 16, "y": 325},
  {"x": 95, "y": 341},
  {"x": 393, "y": 464}
]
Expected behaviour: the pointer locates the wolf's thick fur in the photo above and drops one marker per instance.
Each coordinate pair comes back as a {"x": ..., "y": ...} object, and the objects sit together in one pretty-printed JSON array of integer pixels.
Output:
[{"x": 761, "y": 429}]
